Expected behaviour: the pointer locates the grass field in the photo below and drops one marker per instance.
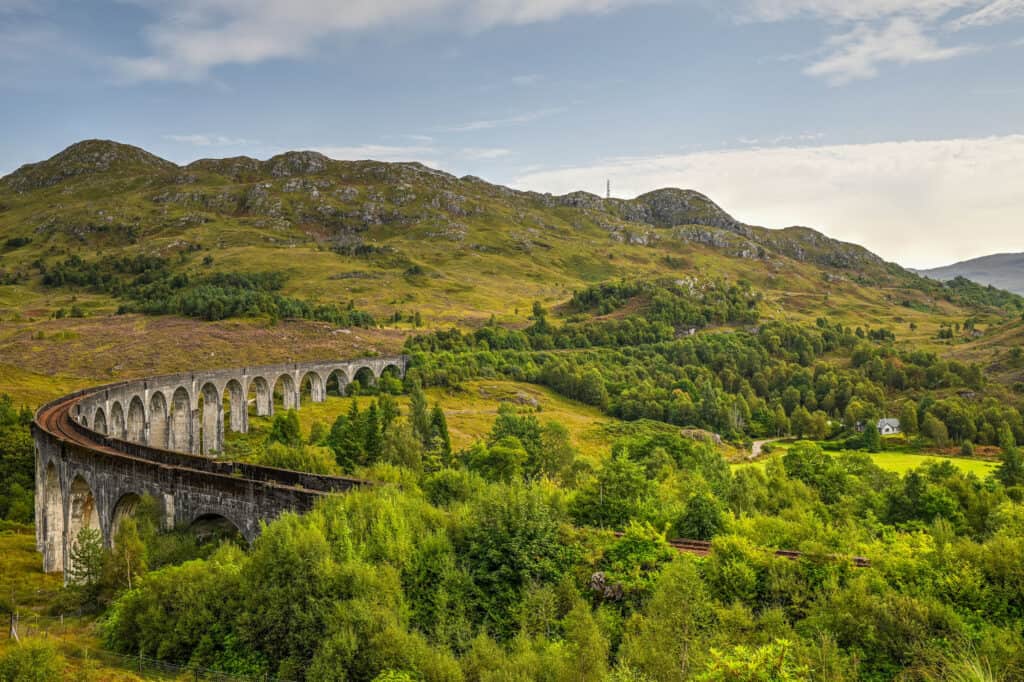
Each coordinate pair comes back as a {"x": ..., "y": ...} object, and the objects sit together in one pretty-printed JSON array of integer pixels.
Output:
[
  {"x": 901, "y": 462},
  {"x": 471, "y": 410}
]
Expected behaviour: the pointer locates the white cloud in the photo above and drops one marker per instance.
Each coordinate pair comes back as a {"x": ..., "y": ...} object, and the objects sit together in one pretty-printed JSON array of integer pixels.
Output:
[
  {"x": 380, "y": 152},
  {"x": 189, "y": 37},
  {"x": 205, "y": 140},
  {"x": 485, "y": 153},
  {"x": 995, "y": 12},
  {"x": 858, "y": 54},
  {"x": 489, "y": 124},
  {"x": 922, "y": 203}
]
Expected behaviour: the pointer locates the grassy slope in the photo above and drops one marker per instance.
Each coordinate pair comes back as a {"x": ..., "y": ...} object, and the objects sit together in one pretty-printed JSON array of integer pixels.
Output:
[
  {"x": 34, "y": 593},
  {"x": 481, "y": 250}
]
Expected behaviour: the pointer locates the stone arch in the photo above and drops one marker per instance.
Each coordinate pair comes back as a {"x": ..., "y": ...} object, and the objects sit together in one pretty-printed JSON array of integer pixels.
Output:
[
  {"x": 209, "y": 524},
  {"x": 159, "y": 430},
  {"x": 53, "y": 520},
  {"x": 82, "y": 512},
  {"x": 237, "y": 410},
  {"x": 338, "y": 378},
  {"x": 312, "y": 385},
  {"x": 181, "y": 420},
  {"x": 84, "y": 421},
  {"x": 135, "y": 424},
  {"x": 284, "y": 386},
  {"x": 211, "y": 425},
  {"x": 259, "y": 396},
  {"x": 99, "y": 421},
  {"x": 117, "y": 421},
  {"x": 364, "y": 377},
  {"x": 126, "y": 506},
  {"x": 391, "y": 368}
]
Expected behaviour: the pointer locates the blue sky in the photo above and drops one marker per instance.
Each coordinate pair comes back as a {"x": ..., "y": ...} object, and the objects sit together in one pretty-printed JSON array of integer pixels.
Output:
[{"x": 893, "y": 123}]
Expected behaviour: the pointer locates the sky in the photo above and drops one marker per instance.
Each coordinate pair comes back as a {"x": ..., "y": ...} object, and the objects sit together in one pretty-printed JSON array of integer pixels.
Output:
[{"x": 896, "y": 124}]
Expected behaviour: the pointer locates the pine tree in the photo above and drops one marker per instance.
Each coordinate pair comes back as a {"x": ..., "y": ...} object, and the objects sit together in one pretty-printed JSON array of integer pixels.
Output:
[
  {"x": 419, "y": 415},
  {"x": 441, "y": 441},
  {"x": 389, "y": 411},
  {"x": 372, "y": 434}
]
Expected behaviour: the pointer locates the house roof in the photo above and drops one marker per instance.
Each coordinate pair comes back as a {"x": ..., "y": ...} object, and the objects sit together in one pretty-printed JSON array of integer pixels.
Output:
[{"x": 889, "y": 421}]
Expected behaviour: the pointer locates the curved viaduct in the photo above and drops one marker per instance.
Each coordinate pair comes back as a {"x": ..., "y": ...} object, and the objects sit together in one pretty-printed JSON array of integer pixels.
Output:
[{"x": 98, "y": 451}]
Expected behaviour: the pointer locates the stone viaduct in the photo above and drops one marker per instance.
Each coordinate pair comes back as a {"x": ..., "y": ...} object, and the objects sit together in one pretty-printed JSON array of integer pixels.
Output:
[{"x": 98, "y": 451}]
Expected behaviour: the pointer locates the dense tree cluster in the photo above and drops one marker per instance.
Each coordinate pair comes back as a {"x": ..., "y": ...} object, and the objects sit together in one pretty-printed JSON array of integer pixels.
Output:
[
  {"x": 17, "y": 463},
  {"x": 813, "y": 381},
  {"x": 489, "y": 568}
]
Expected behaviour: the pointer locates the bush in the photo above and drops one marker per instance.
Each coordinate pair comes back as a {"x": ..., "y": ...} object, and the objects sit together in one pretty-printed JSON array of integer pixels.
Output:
[{"x": 34, "y": 660}]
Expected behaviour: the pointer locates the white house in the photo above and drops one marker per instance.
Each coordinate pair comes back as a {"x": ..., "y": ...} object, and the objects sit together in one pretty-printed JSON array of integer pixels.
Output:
[{"x": 889, "y": 426}]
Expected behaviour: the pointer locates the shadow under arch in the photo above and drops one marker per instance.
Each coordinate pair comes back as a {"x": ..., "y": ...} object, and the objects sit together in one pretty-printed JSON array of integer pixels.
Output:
[
  {"x": 180, "y": 421},
  {"x": 213, "y": 527},
  {"x": 338, "y": 380},
  {"x": 82, "y": 513},
  {"x": 126, "y": 506},
  {"x": 135, "y": 425},
  {"x": 158, "y": 421},
  {"x": 99, "y": 421},
  {"x": 259, "y": 397},
  {"x": 117, "y": 422}
]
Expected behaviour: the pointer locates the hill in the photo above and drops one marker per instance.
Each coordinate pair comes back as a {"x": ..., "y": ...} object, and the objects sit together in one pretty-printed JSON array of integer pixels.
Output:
[
  {"x": 104, "y": 229},
  {"x": 1001, "y": 270}
]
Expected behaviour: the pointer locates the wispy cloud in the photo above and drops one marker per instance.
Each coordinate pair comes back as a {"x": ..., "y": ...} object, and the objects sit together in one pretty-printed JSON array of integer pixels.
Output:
[
  {"x": 873, "y": 33},
  {"x": 206, "y": 140},
  {"x": 485, "y": 153},
  {"x": 859, "y": 53},
  {"x": 190, "y": 37},
  {"x": 520, "y": 119},
  {"x": 992, "y": 13},
  {"x": 380, "y": 152},
  {"x": 919, "y": 202}
]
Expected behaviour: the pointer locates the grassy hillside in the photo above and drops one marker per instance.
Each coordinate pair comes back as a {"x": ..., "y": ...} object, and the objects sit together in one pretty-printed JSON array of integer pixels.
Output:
[{"x": 402, "y": 242}]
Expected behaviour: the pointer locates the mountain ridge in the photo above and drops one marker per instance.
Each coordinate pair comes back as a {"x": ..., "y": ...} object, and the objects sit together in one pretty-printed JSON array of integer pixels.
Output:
[{"x": 1001, "y": 270}]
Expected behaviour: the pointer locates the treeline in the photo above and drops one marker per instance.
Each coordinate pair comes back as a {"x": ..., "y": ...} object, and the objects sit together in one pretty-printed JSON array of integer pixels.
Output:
[
  {"x": 783, "y": 379},
  {"x": 149, "y": 285},
  {"x": 495, "y": 566}
]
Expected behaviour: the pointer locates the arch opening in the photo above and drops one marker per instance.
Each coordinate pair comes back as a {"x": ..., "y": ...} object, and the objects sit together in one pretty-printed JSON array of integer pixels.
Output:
[
  {"x": 214, "y": 527},
  {"x": 136, "y": 422},
  {"x": 181, "y": 421},
  {"x": 312, "y": 386},
  {"x": 82, "y": 514},
  {"x": 259, "y": 398},
  {"x": 158, "y": 421},
  {"x": 99, "y": 421},
  {"x": 125, "y": 507},
  {"x": 285, "y": 394},
  {"x": 338, "y": 380},
  {"x": 53, "y": 520},
  {"x": 234, "y": 403},
  {"x": 211, "y": 425},
  {"x": 390, "y": 379},
  {"x": 117, "y": 421},
  {"x": 364, "y": 382}
]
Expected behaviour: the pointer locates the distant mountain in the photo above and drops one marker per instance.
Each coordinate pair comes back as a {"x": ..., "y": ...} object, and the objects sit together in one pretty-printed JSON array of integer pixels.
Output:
[{"x": 1001, "y": 270}]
